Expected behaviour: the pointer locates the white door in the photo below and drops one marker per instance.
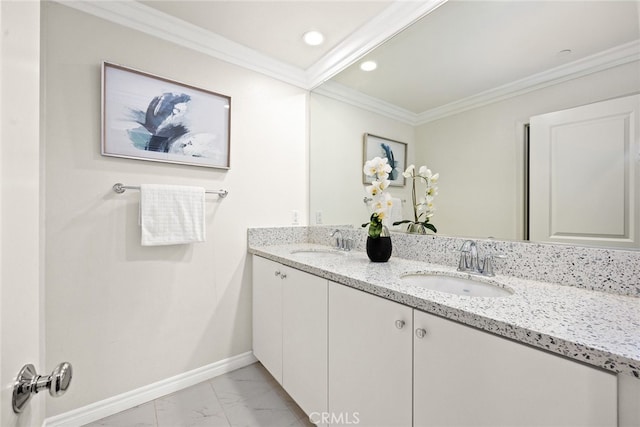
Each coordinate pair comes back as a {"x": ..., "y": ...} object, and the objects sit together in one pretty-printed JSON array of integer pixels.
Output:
[
  {"x": 584, "y": 175},
  {"x": 370, "y": 369},
  {"x": 21, "y": 297},
  {"x": 267, "y": 314},
  {"x": 467, "y": 377},
  {"x": 304, "y": 341}
]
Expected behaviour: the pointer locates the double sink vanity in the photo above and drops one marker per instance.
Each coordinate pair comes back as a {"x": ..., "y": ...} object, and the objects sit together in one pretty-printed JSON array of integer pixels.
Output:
[{"x": 415, "y": 341}]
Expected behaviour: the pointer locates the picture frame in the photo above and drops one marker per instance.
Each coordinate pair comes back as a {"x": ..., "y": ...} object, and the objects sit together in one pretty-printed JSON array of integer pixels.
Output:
[
  {"x": 152, "y": 118},
  {"x": 394, "y": 151}
]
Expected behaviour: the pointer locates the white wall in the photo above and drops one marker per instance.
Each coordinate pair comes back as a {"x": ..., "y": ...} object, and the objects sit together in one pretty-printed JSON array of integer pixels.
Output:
[
  {"x": 127, "y": 316},
  {"x": 336, "y": 159},
  {"x": 479, "y": 153}
]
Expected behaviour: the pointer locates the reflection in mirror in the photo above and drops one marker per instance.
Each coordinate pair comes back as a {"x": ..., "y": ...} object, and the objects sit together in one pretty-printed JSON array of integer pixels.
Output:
[{"x": 459, "y": 86}]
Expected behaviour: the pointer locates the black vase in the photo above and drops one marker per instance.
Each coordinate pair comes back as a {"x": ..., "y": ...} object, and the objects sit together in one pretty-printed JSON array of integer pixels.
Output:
[{"x": 379, "y": 248}]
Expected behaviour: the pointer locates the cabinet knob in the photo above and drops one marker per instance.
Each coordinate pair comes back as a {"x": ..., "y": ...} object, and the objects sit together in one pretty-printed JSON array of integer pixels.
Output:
[
  {"x": 277, "y": 273},
  {"x": 421, "y": 333},
  {"x": 283, "y": 275},
  {"x": 400, "y": 324}
]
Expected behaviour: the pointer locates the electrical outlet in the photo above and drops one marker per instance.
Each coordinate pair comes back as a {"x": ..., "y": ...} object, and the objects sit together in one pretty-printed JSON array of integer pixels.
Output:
[
  {"x": 295, "y": 217},
  {"x": 319, "y": 217}
]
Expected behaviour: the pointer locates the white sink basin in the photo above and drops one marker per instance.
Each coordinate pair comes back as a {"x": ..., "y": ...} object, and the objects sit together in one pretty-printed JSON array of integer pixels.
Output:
[
  {"x": 455, "y": 285},
  {"x": 319, "y": 252}
]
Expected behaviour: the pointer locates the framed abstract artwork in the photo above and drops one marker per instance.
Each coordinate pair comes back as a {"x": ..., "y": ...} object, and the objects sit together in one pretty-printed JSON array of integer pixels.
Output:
[
  {"x": 394, "y": 151},
  {"x": 147, "y": 117}
]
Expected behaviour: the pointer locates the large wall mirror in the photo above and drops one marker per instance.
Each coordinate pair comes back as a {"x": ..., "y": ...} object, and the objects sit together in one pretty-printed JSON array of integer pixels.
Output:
[{"x": 460, "y": 86}]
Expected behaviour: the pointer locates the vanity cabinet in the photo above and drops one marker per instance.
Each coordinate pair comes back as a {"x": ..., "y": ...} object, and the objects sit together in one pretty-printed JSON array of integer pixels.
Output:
[
  {"x": 370, "y": 372},
  {"x": 290, "y": 331},
  {"x": 464, "y": 376},
  {"x": 349, "y": 357}
]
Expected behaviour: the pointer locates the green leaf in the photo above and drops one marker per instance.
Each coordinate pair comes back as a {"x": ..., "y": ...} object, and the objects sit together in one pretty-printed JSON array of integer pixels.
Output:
[{"x": 430, "y": 226}]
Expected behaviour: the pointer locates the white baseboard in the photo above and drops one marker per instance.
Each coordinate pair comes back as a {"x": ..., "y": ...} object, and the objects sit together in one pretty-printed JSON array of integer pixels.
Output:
[{"x": 130, "y": 399}]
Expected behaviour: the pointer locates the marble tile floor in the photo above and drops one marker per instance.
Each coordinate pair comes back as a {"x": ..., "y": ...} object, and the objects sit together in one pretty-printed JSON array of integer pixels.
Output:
[{"x": 247, "y": 397}]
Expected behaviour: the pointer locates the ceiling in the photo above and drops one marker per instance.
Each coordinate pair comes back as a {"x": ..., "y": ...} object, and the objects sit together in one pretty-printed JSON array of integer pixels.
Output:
[
  {"x": 459, "y": 49},
  {"x": 265, "y": 35},
  {"x": 467, "y": 47},
  {"x": 275, "y": 28}
]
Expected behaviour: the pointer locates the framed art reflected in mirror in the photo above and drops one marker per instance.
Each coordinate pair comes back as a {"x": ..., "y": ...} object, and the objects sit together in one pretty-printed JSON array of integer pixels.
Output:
[{"x": 394, "y": 151}]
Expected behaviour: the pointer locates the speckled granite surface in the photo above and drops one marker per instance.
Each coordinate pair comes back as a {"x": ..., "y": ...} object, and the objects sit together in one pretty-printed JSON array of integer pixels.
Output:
[
  {"x": 599, "y": 328},
  {"x": 608, "y": 270}
]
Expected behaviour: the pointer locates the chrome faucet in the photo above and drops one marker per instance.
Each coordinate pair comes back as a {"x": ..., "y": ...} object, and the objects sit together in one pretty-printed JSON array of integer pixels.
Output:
[
  {"x": 468, "y": 257},
  {"x": 342, "y": 243},
  {"x": 469, "y": 261}
]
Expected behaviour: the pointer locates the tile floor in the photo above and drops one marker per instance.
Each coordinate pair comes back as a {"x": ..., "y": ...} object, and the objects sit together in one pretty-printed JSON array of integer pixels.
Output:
[{"x": 247, "y": 397}]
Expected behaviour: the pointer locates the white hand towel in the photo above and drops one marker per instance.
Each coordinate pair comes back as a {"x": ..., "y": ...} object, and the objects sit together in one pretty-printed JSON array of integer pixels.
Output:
[{"x": 171, "y": 214}]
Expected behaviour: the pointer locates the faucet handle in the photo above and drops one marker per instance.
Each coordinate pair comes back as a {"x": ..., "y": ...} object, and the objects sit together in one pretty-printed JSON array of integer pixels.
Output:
[
  {"x": 487, "y": 265},
  {"x": 462, "y": 263}
]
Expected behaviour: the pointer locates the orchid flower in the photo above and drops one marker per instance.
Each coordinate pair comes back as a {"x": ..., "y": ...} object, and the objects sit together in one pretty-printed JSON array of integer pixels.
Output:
[
  {"x": 378, "y": 168},
  {"x": 423, "y": 209}
]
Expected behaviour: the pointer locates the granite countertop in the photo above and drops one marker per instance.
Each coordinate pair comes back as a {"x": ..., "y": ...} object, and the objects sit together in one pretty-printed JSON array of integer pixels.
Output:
[{"x": 598, "y": 328}]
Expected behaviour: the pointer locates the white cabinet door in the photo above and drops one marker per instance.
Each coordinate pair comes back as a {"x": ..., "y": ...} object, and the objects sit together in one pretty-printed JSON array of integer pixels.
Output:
[
  {"x": 304, "y": 340},
  {"x": 267, "y": 315},
  {"x": 467, "y": 377},
  {"x": 584, "y": 175},
  {"x": 370, "y": 372}
]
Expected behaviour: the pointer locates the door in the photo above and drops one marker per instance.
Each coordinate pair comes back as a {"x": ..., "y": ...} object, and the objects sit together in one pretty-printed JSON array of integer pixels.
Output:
[
  {"x": 370, "y": 372},
  {"x": 304, "y": 341},
  {"x": 467, "y": 377},
  {"x": 585, "y": 175},
  {"x": 267, "y": 314},
  {"x": 20, "y": 293}
]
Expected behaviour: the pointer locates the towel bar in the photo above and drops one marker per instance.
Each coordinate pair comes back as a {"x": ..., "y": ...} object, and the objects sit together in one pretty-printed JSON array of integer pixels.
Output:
[
  {"x": 370, "y": 199},
  {"x": 121, "y": 188}
]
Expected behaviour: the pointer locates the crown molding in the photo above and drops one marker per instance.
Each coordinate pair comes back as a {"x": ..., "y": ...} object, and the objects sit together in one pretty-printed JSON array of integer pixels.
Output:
[
  {"x": 351, "y": 96},
  {"x": 619, "y": 55},
  {"x": 395, "y": 18},
  {"x": 135, "y": 15},
  {"x": 388, "y": 23},
  {"x": 131, "y": 14}
]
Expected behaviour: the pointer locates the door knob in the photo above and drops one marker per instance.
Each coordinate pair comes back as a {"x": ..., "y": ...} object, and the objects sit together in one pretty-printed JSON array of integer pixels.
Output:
[{"x": 29, "y": 383}]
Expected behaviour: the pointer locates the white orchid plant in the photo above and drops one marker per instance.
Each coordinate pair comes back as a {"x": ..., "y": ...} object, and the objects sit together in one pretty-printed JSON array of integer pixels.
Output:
[
  {"x": 379, "y": 169},
  {"x": 423, "y": 208}
]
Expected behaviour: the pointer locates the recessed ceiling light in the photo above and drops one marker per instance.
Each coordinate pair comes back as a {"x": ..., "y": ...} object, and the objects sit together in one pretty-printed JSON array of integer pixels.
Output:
[
  {"x": 313, "y": 38},
  {"x": 368, "y": 66}
]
